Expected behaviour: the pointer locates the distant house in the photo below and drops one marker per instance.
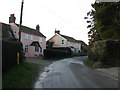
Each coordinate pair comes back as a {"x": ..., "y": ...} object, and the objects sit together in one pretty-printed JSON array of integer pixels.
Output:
[
  {"x": 60, "y": 40},
  {"x": 34, "y": 42}
]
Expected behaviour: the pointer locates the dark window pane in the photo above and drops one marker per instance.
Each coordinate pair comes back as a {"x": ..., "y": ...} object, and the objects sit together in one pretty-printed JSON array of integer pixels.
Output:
[{"x": 36, "y": 49}]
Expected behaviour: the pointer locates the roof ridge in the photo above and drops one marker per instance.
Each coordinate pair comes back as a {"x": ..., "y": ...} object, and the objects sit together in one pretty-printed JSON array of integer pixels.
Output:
[
  {"x": 68, "y": 36},
  {"x": 5, "y": 23},
  {"x": 73, "y": 39},
  {"x": 31, "y": 31},
  {"x": 26, "y": 27}
]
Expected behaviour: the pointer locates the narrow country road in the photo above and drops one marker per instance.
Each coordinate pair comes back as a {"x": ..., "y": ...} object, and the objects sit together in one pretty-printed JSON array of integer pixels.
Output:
[{"x": 72, "y": 73}]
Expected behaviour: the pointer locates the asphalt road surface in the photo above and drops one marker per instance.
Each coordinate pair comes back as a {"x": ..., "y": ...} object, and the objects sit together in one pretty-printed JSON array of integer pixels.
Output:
[{"x": 72, "y": 73}]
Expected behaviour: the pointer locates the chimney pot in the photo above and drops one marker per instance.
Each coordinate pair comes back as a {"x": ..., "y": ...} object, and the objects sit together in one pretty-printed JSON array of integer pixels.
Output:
[
  {"x": 12, "y": 18},
  {"x": 12, "y": 15},
  {"x": 38, "y": 27},
  {"x": 57, "y": 31}
]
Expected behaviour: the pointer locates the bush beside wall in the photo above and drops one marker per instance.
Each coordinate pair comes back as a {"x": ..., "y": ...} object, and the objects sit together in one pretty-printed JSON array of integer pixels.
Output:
[
  {"x": 96, "y": 50},
  {"x": 84, "y": 51},
  {"x": 105, "y": 51},
  {"x": 57, "y": 52},
  {"x": 9, "y": 54}
]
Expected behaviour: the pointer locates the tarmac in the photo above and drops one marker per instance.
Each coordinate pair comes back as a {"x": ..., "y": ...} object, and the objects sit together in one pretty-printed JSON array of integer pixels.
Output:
[
  {"x": 73, "y": 73},
  {"x": 111, "y": 71},
  {"x": 114, "y": 71}
]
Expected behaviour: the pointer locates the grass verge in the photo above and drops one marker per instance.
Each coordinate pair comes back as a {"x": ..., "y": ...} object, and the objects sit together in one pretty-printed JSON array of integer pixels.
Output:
[
  {"x": 21, "y": 76},
  {"x": 92, "y": 64}
]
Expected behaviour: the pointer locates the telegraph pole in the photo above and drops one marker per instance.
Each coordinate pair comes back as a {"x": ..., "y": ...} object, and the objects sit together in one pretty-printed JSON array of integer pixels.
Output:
[{"x": 20, "y": 20}]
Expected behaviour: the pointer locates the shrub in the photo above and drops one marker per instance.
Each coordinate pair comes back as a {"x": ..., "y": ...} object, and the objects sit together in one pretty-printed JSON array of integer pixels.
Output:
[
  {"x": 95, "y": 50},
  {"x": 9, "y": 54},
  {"x": 49, "y": 44},
  {"x": 66, "y": 49},
  {"x": 111, "y": 53},
  {"x": 92, "y": 64},
  {"x": 84, "y": 51},
  {"x": 57, "y": 52},
  {"x": 97, "y": 64},
  {"x": 104, "y": 51},
  {"x": 88, "y": 62}
]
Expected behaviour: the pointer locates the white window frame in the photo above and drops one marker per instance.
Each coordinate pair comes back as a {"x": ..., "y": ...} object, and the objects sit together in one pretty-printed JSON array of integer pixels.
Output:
[
  {"x": 31, "y": 37},
  {"x": 40, "y": 39},
  {"x": 26, "y": 48},
  {"x": 26, "y": 36},
  {"x": 63, "y": 42}
]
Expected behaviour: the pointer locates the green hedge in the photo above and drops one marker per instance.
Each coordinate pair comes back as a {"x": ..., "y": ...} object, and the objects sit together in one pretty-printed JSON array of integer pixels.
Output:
[
  {"x": 105, "y": 52},
  {"x": 9, "y": 54},
  {"x": 58, "y": 52}
]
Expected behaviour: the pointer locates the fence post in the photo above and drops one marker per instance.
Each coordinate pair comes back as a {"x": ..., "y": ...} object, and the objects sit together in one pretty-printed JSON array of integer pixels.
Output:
[{"x": 17, "y": 58}]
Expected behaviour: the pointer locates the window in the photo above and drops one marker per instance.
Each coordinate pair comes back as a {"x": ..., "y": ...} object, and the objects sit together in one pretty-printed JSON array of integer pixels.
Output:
[
  {"x": 26, "y": 48},
  {"x": 40, "y": 39},
  {"x": 31, "y": 37},
  {"x": 26, "y": 36},
  {"x": 36, "y": 49},
  {"x": 62, "y": 41}
]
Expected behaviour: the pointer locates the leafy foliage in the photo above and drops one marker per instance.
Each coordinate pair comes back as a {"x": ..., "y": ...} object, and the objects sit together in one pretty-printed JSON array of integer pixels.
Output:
[
  {"x": 104, "y": 22},
  {"x": 49, "y": 44},
  {"x": 57, "y": 52},
  {"x": 105, "y": 51},
  {"x": 93, "y": 64}
]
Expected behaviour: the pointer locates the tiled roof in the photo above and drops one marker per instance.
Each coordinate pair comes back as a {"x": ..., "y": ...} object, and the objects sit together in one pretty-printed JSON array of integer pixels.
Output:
[
  {"x": 30, "y": 31},
  {"x": 71, "y": 39},
  {"x": 82, "y": 42},
  {"x": 6, "y": 30},
  {"x": 79, "y": 41}
]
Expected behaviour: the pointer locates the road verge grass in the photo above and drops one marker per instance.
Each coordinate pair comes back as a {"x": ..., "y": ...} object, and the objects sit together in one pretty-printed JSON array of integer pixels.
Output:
[
  {"x": 22, "y": 76},
  {"x": 92, "y": 64}
]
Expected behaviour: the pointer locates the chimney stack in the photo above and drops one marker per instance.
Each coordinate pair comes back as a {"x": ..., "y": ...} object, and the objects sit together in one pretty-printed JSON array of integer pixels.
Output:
[
  {"x": 38, "y": 27},
  {"x": 12, "y": 18},
  {"x": 57, "y": 31}
]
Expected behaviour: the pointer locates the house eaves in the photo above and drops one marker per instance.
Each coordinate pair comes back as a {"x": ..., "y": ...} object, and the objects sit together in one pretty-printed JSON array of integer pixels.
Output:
[
  {"x": 71, "y": 39},
  {"x": 57, "y": 35},
  {"x": 61, "y": 36}
]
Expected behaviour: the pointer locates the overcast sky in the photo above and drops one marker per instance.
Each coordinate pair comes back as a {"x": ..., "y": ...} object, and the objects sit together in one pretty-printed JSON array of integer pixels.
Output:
[{"x": 64, "y": 15}]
